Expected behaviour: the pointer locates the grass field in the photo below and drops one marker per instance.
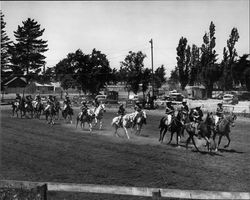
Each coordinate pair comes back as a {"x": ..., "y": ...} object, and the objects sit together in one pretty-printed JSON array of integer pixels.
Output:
[{"x": 32, "y": 150}]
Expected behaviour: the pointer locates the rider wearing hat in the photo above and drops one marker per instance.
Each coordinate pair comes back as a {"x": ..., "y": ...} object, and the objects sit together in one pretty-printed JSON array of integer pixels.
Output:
[
  {"x": 18, "y": 98},
  {"x": 50, "y": 102},
  {"x": 66, "y": 102},
  {"x": 184, "y": 108},
  {"x": 84, "y": 107},
  {"x": 219, "y": 114},
  {"x": 121, "y": 112},
  {"x": 169, "y": 111}
]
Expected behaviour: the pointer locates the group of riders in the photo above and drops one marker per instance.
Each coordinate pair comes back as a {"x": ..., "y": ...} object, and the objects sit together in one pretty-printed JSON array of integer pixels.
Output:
[
  {"x": 52, "y": 102},
  {"x": 194, "y": 115}
]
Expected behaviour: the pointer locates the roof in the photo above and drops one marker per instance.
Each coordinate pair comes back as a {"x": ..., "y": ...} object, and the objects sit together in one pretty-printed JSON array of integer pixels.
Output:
[
  {"x": 13, "y": 79},
  {"x": 57, "y": 84}
]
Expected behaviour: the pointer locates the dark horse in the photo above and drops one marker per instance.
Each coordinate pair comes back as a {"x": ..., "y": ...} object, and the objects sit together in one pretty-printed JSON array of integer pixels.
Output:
[
  {"x": 38, "y": 109},
  {"x": 67, "y": 113},
  {"x": 175, "y": 127},
  {"x": 204, "y": 129},
  {"x": 50, "y": 114},
  {"x": 223, "y": 128}
]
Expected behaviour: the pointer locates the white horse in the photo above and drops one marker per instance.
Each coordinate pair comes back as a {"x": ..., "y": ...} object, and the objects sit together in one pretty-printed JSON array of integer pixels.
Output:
[
  {"x": 88, "y": 117},
  {"x": 99, "y": 114},
  {"x": 140, "y": 119},
  {"x": 127, "y": 121}
]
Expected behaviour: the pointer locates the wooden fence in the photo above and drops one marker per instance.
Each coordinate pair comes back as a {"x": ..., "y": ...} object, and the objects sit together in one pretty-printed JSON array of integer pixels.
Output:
[{"x": 155, "y": 193}]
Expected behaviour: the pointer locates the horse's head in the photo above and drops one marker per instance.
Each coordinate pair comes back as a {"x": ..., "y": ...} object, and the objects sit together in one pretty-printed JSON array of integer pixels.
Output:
[{"x": 231, "y": 119}]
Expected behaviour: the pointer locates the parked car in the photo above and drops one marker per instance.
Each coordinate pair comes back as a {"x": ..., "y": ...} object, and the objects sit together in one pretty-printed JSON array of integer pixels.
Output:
[
  {"x": 245, "y": 96},
  {"x": 230, "y": 99},
  {"x": 106, "y": 99},
  {"x": 176, "y": 97}
]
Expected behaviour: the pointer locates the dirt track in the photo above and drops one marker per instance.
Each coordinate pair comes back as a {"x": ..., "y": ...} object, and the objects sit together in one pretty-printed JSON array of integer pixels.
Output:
[{"x": 34, "y": 151}]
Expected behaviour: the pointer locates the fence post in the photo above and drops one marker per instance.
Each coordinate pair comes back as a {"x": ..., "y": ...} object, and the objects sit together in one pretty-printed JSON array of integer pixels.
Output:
[
  {"x": 156, "y": 195},
  {"x": 43, "y": 191}
]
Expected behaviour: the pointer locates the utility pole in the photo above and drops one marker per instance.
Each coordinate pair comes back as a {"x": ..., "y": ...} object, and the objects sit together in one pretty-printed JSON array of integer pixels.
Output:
[{"x": 152, "y": 64}]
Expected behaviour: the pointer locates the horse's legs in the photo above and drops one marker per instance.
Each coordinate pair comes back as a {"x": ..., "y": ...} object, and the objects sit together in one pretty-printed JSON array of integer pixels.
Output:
[
  {"x": 126, "y": 131},
  {"x": 100, "y": 124},
  {"x": 194, "y": 143},
  {"x": 164, "y": 133},
  {"x": 160, "y": 139},
  {"x": 228, "y": 138},
  {"x": 219, "y": 141},
  {"x": 90, "y": 127},
  {"x": 208, "y": 144},
  {"x": 171, "y": 137},
  {"x": 188, "y": 140}
]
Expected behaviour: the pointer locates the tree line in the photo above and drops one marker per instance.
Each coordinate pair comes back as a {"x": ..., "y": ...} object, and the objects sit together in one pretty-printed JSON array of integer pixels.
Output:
[
  {"x": 86, "y": 72},
  {"x": 90, "y": 73},
  {"x": 199, "y": 65}
]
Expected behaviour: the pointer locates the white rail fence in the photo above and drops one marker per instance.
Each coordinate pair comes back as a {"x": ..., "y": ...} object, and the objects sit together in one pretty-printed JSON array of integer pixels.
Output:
[{"x": 156, "y": 193}]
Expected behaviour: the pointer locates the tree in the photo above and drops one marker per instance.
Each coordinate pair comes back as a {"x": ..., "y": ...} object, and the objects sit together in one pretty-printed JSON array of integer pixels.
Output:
[
  {"x": 194, "y": 66},
  {"x": 28, "y": 51},
  {"x": 174, "y": 76},
  {"x": 210, "y": 71},
  {"x": 183, "y": 62},
  {"x": 241, "y": 71},
  {"x": 146, "y": 75},
  {"x": 159, "y": 76},
  {"x": 5, "y": 46},
  {"x": 133, "y": 66},
  {"x": 90, "y": 73}
]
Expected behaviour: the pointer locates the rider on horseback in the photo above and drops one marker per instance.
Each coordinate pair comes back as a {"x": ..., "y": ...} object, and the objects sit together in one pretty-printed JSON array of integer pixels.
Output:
[
  {"x": 170, "y": 112},
  {"x": 184, "y": 108},
  {"x": 84, "y": 108},
  {"x": 96, "y": 104},
  {"x": 66, "y": 103},
  {"x": 137, "y": 109},
  {"x": 37, "y": 100},
  {"x": 121, "y": 112},
  {"x": 50, "y": 102},
  {"x": 18, "y": 98},
  {"x": 219, "y": 115}
]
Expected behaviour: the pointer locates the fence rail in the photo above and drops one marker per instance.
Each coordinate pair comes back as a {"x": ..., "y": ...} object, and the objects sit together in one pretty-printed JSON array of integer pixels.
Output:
[{"x": 122, "y": 190}]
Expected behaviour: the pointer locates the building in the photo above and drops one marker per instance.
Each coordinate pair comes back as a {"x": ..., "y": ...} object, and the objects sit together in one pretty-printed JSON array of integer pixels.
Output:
[
  {"x": 15, "y": 85},
  {"x": 196, "y": 92}
]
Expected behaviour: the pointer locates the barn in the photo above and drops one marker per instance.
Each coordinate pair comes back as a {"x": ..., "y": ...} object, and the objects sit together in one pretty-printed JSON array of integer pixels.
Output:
[{"x": 15, "y": 85}]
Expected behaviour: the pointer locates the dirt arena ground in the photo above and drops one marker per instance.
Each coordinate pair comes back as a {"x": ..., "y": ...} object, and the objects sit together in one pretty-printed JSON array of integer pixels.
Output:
[{"x": 32, "y": 150}]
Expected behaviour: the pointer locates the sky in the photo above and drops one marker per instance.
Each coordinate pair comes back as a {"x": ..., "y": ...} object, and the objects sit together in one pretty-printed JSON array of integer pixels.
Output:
[{"x": 117, "y": 27}]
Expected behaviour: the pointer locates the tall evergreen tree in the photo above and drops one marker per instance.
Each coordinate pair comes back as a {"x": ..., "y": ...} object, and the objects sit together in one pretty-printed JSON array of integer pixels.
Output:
[
  {"x": 210, "y": 71},
  {"x": 159, "y": 76},
  {"x": 5, "y": 46},
  {"x": 194, "y": 66},
  {"x": 29, "y": 48},
  {"x": 183, "y": 61},
  {"x": 229, "y": 59}
]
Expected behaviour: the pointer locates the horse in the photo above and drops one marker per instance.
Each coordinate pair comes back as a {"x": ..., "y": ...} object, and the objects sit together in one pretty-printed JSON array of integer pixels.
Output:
[
  {"x": 67, "y": 113},
  {"x": 37, "y": 108},
  {"x": 140, "y": 119},
  {"x": 57, "y": 108},
  {"x": 88, "y": 117},
  {"x": 127, "y": 121},
  {"x": 176, "y": 126},
  {"x": 50, "y": 114},
  {"x": 15, "y": 108},
  {"x": 204, "y": 129},
  {"x": 223, "y": 128},
  {"x": 99, "y": 114},
  {"x": 26, "y": 107}
]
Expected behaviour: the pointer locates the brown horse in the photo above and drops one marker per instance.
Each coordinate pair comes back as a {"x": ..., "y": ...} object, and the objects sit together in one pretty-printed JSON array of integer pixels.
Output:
[
  {"x": 203, "y": 129},
  {"x": 175, "y": 127},
  {"x": 223, "y": 128}
]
